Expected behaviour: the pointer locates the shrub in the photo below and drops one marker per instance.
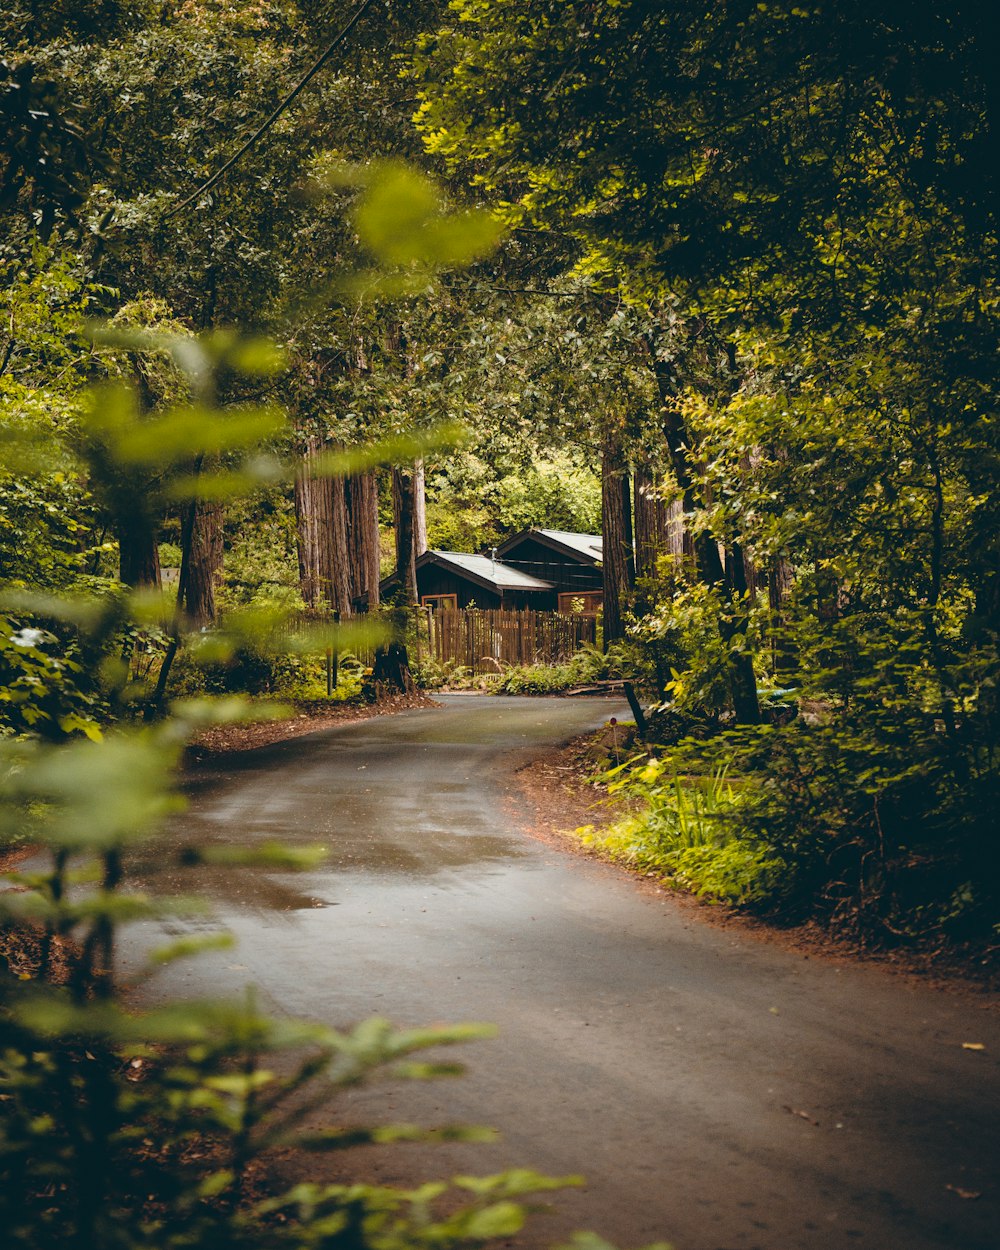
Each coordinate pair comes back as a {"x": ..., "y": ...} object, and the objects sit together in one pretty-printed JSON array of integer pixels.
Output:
[
  {"x": 431, "y": 674},
  {"x": 258, "y": 669},
  {"x": 880, "y": 795},
  {"x": 587, "y": 665},
  {"x": 685, "y": 651},
  {"x": 44, "y": 688},
  {"x": 687, "y": 831}
]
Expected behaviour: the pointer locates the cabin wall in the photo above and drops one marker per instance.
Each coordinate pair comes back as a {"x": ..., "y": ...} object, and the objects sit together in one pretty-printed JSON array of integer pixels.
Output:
[
  {"x": 567, "y": 574},
  {"x": 434, "y": 580}
]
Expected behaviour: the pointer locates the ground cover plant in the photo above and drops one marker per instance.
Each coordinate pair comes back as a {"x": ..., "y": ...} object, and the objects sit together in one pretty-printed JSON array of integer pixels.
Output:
[
  {"x": 687, "y": 830},
  {"x": 587, "y": 666},
  {"x": 862, "y": 807}
]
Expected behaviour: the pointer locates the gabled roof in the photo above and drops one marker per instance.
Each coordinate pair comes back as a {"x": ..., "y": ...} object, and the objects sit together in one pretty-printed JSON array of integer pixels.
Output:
[
  {"x": 482, "y": 570},
  {"x": 586, "y": 548}
]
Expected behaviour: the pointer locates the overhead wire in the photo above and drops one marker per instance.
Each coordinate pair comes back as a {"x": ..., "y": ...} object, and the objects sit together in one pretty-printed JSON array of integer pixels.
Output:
[{"x": 276, "y": 112}]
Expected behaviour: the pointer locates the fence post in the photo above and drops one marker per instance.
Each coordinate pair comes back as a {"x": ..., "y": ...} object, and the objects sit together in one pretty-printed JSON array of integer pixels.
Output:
[{"x": 332, "y": 664}]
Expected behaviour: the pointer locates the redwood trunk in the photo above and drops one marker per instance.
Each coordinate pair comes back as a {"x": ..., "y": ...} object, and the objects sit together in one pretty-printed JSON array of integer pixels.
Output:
[
  {"x": 618, "y": 560},
  {"x": 139, "y": 555},
  {"x": 322, "y": 536},
  {"x": 404, "y": 513},
  {"x": 679, "y": 541},
  {"x": 362, "y": 499},
  {"x": 658, "y": 524},
  {"x": 204, "y": 564},
  {"x": 312, "y": 517},
  {"x": 419, "y": 510},
  {"x": 337, "y": 551}
]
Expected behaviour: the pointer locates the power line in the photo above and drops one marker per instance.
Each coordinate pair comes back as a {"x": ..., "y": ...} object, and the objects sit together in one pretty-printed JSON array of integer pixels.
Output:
[
  {"x": 517, "y": 290},
  {"x": 269, "y": 121}
]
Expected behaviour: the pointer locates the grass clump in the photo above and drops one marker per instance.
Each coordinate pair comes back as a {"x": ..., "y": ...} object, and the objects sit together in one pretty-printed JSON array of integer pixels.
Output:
[
  {"x": 687, "y": 831},
  {"x": 588, "y": 665}
]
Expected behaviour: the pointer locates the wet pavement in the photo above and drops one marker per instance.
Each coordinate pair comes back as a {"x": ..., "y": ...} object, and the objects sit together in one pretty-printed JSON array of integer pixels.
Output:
[{"x": 717, "y": 1091}]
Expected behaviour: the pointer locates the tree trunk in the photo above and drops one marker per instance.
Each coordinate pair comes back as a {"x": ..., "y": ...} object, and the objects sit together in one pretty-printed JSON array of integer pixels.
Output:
[
  {"x": 362, "y": 508},
  {"x": 313, "y": 506},
  {"x": 679, "y": 542},
  {"x": 139, "y": 555},
  {"x": 710, "y": 567},
  {"x": 616, "y": 526},
  {"x": 322, "y": 536},
  {"x": 204, "y": 564},
  {"x": 655, "y": 528},
  {"x": 403, "y": 508},
  {"x": 337, "y": 551},
  {"x": 419, "y": 510}
]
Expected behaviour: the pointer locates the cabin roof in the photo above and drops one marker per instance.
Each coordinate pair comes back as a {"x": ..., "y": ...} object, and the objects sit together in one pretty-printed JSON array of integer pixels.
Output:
[
  {"x": 484, "y": 570},
  {"x": 588, "y": 548},
  {"x": 481, "y": 570}
]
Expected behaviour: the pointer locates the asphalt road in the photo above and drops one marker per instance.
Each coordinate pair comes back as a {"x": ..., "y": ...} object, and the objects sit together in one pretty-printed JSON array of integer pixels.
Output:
[{"x": 716, "y": 1090}]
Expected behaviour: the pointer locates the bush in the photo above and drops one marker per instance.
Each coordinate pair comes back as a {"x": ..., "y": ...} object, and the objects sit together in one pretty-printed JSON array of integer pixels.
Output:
[
  {"x": 587, "y": 665},
  {"x": 257, "y": 669},
  {"x": 885, "y": 831},
  {"x": 688, "y": 832},
  {"x": 44, "y": 688},
  {"x": 881, "y": 793},
  {"x": 685, "y": 650},
  {"x": 431, "y": 674},
  {"x": 874, "y": 788}
]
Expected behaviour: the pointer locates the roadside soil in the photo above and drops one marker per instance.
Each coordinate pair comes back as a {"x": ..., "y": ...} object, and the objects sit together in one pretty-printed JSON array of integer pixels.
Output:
[
  {"x": 561, "y": 797},
  {"x": 308, "y": 716}
]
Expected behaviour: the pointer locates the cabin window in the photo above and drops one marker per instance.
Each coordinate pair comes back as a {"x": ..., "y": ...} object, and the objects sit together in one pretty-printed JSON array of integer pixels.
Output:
[
  {"x": 440, "y": 603},
  {"x": 581, "y": 602}
]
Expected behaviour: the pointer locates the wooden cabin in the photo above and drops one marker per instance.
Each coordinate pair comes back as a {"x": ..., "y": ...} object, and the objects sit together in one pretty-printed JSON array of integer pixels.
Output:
[
  {"x": 457, "y": 579},
  {"x": 569, "y": 562}
]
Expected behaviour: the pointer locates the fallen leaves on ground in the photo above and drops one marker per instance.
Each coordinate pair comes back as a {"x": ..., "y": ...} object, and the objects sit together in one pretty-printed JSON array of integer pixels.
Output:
[
  {"x": 803, "y": 1115},
  {"x": 969, "y": 1194}
]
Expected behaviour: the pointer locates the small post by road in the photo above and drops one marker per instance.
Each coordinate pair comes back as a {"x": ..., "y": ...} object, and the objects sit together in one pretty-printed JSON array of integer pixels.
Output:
[
  {"x": 332, "y": 664},
  {"x": 633, "y": 702}
]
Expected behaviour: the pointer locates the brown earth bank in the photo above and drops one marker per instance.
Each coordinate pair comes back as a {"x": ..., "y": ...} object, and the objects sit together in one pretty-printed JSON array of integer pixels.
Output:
[
  {"x": 562, "y": 796},
  {"x": 307, "y": 717}
]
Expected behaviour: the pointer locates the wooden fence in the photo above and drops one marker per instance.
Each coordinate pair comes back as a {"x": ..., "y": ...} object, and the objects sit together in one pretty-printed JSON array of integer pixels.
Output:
[{"x": 485, "y": 640}]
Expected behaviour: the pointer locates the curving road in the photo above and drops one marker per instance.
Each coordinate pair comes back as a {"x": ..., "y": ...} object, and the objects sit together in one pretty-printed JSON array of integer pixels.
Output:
[{"x": 717, "y": 1092}]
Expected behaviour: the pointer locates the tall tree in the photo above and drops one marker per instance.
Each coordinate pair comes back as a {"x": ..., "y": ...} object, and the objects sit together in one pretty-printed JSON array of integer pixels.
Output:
[
  {"x": 616, "y": 516},
  {"x": 404, "y": 507},
  {"x": 205, "y": 567},
  {"x": 362, "y": 501}
]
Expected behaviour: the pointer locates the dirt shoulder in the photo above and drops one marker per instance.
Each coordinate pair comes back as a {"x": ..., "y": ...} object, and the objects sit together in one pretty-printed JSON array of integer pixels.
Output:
[
  {"x": 555, "y": 797},
  {"x": 307, "y": 718}
]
